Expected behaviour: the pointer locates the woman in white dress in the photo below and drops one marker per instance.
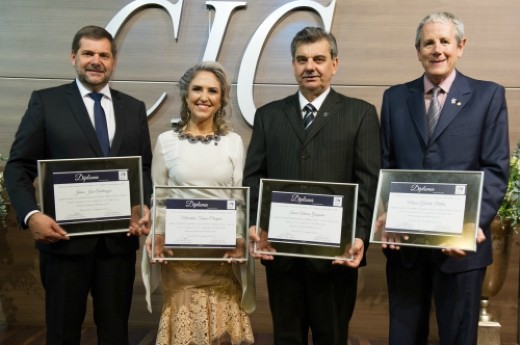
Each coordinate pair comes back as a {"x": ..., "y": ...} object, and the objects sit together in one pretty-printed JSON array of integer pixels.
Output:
[{"x": 203, "y": 302}]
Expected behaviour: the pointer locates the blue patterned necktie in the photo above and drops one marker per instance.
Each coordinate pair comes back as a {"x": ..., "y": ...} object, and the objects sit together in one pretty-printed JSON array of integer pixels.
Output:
[
  {"x": 435, "y": 110},
  {"x": 100, "y": 122},
  {"x": 309, "y": 116}
]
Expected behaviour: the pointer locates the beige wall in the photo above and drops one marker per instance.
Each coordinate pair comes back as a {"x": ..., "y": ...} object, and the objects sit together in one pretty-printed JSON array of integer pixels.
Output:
[{"x": 376, "y": 50}]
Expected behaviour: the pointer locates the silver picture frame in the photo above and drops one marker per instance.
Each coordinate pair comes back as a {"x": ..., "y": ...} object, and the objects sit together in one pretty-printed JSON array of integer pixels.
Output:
[
  {"x": 307, "y": 219},
  {"x": 427, "y": 208},
  {"x": 91, "y": 196},
  {"x": 203, "y": 223}
]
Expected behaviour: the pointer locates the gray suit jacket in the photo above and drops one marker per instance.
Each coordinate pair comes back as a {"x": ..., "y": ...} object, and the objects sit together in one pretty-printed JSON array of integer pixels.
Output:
[{"x": 343, "y": 145}]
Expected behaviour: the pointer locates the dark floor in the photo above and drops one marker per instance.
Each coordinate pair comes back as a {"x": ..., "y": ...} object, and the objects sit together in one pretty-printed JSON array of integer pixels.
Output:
[{"x": 31, "y": 335}]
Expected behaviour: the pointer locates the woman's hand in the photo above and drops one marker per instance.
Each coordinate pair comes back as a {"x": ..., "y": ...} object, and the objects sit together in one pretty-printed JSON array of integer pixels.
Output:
[{"x": 159, "y": 251}]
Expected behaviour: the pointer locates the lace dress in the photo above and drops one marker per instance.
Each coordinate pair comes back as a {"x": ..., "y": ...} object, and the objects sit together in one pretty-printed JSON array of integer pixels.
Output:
[
  {"x": 203, "y": 302},
  {"x": 202, "y": 306}
]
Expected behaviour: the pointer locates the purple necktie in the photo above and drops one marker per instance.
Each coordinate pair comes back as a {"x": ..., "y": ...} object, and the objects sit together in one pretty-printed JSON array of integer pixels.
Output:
[{"x": 435, "y": 110}]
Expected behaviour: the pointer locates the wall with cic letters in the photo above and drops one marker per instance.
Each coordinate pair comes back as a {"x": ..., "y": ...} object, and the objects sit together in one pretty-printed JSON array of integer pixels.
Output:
[{"x": 376, "y": 50}]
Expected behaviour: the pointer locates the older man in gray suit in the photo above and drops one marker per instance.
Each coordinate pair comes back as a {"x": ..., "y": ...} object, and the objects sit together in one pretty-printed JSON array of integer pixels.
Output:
[{"x": 316, "y": 134}]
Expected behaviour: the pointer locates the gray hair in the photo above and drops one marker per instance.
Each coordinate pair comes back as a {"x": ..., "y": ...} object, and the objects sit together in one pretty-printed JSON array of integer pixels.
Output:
[{"x": 444, "y": 18}]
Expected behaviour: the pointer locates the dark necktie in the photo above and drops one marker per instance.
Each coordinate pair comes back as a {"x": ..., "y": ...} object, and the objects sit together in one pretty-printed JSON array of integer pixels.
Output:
[
  {"x": 100, "y": 122},
  {"x": 435, "y": 110},
  {"x": 309, "y": 116}
]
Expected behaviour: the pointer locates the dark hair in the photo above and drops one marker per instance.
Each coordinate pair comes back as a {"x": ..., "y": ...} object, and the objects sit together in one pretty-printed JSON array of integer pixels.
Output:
[
  {"x": 220, "y": 126},
  {"x": 95, "y": 33},
  {"x": 312, "y": 34}
]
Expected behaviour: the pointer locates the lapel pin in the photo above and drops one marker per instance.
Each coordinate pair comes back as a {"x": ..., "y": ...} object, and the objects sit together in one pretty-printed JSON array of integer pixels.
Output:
[{"x": 453, "y": 101}]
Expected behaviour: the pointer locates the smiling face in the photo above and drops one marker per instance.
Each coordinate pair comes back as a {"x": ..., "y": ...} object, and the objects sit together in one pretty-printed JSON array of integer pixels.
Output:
[
  {"x": 204, "y": 99},
  {"x": 313, "y": 68},
  {"x": 94, "y": 63},
  {"x": 439, "y": 50}
]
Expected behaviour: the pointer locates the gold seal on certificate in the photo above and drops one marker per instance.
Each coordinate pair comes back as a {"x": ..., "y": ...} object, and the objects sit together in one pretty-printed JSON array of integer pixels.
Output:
[
  {"x": 307, "y": 219},
  {"x": 435, "y": 209},
  {"x": 200, "y": 223},
  {"x": 92, "y": 195}
]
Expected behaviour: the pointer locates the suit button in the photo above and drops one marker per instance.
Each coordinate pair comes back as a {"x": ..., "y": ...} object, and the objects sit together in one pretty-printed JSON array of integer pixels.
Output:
[{"x": 305, "y": 156}]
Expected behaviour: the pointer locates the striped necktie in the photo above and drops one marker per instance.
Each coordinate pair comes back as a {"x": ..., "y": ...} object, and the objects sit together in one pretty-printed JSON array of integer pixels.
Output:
[
  {"x": 435, "y": 110},
  {"x": 309, "y": 116}
]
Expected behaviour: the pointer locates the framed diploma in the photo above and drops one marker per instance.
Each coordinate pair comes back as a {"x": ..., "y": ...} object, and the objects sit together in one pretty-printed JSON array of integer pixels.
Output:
[
  {"x": 200, "y": 223},
  {"x": 306, "y": 219},
  {"x": 433, "y": 209},
  {"x": 91, "y": 195}
]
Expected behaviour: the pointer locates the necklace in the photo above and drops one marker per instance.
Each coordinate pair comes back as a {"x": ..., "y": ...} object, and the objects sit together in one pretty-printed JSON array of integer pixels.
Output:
[{"x": 193, "y": 139}]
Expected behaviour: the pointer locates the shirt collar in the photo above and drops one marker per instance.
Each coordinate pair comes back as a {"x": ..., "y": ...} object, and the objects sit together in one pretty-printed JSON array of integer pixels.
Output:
[
  {"x": 318, "y": 101},
  {"x": 85, "y": 92},
  {"x": 445, "y": 85}
]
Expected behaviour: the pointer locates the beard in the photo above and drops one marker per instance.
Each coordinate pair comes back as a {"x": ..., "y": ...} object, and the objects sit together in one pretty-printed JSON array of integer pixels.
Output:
[{"x": 102, "y": 76}]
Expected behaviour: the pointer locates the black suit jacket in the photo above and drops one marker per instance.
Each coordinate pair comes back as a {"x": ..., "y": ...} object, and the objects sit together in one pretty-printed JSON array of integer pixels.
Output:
[
  {"x": 56, "y": 125},
  {"x": 472, "y": 134},
  {"x": 343, "y": 146}
]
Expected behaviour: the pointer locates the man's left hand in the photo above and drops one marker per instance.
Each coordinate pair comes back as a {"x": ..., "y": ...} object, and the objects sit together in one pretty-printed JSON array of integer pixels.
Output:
[
  {"x": 356, "y": 251},
  {"x": 457, "y": 253},
  {"x": 139, "y": 224}
]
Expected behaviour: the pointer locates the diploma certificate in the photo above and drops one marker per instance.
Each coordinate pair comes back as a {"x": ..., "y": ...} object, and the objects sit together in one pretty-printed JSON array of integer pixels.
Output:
[
  {"x": 196, "y": 223},
  {"x": 91, "y": 196},
  {"x": 311, "y": 219},
  {"x": 427, "y": 208},
  {"x": 432, "y": 208},
  {"x": 95, "y": 195},
  {"x": 306, "y": 219}
]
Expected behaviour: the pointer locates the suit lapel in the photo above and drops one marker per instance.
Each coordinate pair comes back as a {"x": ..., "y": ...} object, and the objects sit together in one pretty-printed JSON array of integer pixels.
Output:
[
  {"x": 119, "y": 114},
  {"x": 292, "y": 112},
  {"x": 456, "y": 100},
  {"x": 416, "y": 108},
  {"x": 328, "y": 109},
  {"x": 79, "y": 111}
]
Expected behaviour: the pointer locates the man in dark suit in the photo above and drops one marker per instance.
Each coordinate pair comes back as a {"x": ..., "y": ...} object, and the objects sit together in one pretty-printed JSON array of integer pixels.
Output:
[
  {"x": 59, "y": 124},
  {"x": 471, "y": 133},
  {"x": 340, "y": 145}
]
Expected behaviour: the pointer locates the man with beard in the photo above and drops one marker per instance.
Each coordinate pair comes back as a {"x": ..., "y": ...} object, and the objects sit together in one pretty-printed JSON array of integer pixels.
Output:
[{"x": 63, "y": 122}]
